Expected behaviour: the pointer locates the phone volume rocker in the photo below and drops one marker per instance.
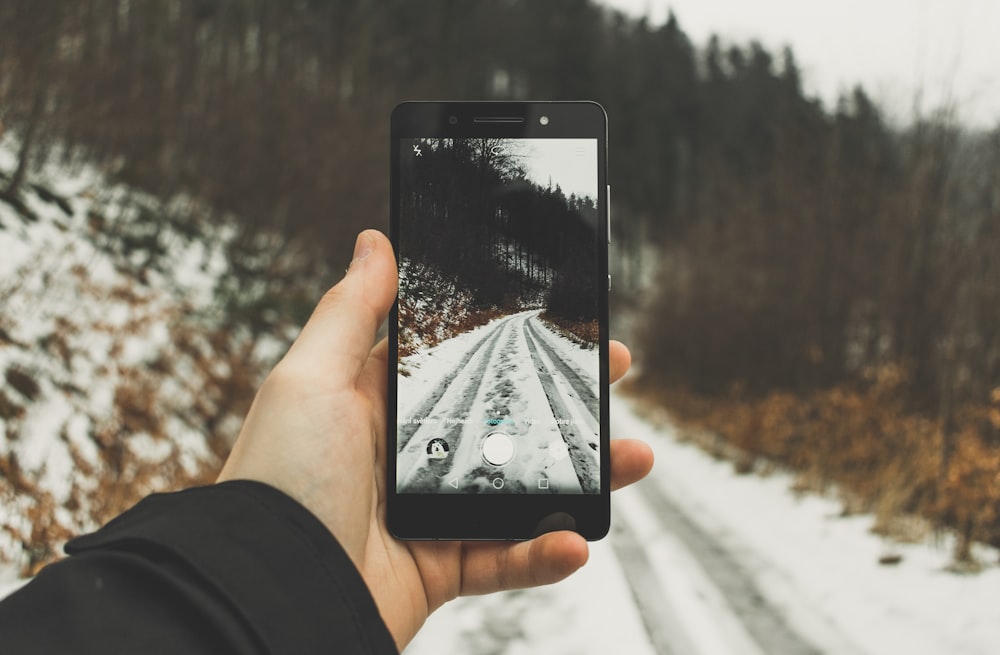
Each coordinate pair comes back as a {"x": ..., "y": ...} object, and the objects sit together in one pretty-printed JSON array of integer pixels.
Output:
[{"x": 608, "y": 212}]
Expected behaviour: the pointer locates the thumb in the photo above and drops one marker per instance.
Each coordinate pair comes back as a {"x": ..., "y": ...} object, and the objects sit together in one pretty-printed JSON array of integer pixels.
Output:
[{"x": 341, "y": 331}]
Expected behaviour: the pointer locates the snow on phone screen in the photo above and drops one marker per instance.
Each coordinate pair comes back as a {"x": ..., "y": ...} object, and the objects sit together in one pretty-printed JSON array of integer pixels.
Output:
[{"x": 498, "y": 330}]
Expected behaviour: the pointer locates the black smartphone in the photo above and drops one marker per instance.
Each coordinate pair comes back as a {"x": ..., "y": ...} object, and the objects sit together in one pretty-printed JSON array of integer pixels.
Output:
[{"x": 498, "y": 342}]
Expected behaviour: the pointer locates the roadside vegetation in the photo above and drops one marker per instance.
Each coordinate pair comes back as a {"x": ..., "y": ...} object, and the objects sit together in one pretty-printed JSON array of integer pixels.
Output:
[
  {"x": 821, "y": 286},
  {"x": 840, "y": 315}
]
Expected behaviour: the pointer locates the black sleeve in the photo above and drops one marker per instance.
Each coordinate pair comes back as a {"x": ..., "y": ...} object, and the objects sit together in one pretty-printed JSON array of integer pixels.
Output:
[{"x": 237, "y": 567}]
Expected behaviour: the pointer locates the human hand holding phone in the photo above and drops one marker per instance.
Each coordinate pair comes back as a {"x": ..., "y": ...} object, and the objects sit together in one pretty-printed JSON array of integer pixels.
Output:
[{"x": 317, "y": 431}]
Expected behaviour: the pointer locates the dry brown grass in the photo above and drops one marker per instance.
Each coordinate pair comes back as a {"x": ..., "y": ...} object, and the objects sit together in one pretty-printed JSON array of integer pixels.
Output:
[
  {"x": 584, "y": 332},
  {"x": 427, "y": 329},
  {"x": 863, "y": 442}
]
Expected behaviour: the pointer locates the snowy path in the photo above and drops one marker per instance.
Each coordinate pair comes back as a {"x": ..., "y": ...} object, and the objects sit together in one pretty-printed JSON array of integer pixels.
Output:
[
  {"x": 660, "y": 584},
  {"x": 702, "y": 561},
  {"x": 515, "y": 377},
  {"x": 720, "y": 610}
]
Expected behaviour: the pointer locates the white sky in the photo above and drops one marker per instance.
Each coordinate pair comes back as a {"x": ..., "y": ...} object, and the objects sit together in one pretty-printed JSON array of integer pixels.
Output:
[
  {"x": 908, "y": 54},
  {"x": 569, "y": 163}
]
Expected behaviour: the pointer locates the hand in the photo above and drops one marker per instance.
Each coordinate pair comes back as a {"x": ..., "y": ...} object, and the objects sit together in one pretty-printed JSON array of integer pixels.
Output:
[{"x": 317, "y": 429}]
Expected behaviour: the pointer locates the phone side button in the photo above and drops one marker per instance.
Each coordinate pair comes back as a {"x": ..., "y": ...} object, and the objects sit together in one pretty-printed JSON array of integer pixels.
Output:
[
  {"x": 609, "y": 281},
  {"x": 609, "y": 213}
]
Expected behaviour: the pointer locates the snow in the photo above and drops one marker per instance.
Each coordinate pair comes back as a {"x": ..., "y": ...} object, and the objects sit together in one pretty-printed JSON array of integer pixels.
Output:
[
  {"x": 98, "y": 330},
  {"x": 821, "y": 564},
  {"x": 591, "y": 612},
  {"x": 710, "y": 626},
  {"x": 497, "y": 378},
  {"x": 427, "y": 368},
  {"x": 818, "y": 568}
]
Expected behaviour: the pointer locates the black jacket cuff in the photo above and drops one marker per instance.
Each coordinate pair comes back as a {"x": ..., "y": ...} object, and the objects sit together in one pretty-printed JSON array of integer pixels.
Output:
[{"x": 267, "y": 558}]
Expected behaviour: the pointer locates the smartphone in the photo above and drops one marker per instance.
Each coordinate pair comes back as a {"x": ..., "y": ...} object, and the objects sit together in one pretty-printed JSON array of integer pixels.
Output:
[{"x": 498, "y": 341}]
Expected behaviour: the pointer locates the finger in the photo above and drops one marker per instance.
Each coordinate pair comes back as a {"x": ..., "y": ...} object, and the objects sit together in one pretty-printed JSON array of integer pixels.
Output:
[
  {"x": 495, "y": 566},
  {"x": 631, "y": 461},
  {"x": 491, "y": 566},
  {"x": 619, "y": 359},
  {"x": 342, "y": 328}
]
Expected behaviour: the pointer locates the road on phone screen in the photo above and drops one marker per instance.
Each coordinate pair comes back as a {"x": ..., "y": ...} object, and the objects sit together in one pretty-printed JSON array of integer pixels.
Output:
[{"x": 515, "y": 378}]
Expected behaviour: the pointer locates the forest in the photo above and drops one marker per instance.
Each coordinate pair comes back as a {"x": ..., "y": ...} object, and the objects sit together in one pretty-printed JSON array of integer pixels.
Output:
[
  {"x": 815, "y": 284},
  {"x": 470, "y": 212}
]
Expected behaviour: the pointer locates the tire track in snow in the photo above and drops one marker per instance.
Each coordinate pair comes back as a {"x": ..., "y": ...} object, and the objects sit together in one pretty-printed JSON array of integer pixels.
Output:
[
  {"x": 764, "y": 623},
  {"x": 568, "y": 396},
  {"x": 429, "y": 478},
  {"x": 583, "y": 388},
  {"x": 586, "y": 465},
  {"x": 407, "y": 431},
  {"x": 661, "y": 624}
]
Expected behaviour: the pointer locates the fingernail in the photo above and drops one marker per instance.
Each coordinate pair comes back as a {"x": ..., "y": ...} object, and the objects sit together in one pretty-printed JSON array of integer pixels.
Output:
[{"x": 362, "y": 247}]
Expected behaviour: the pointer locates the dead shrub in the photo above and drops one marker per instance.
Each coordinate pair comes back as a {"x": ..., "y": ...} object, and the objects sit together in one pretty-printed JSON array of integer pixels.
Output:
[
  {"x": 23, "y": 383},
  {"x": 883, "y": 458}
]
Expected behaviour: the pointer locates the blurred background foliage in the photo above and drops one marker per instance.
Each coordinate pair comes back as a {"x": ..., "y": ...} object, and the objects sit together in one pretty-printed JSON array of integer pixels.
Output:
[{"x": 791, "y": 268}]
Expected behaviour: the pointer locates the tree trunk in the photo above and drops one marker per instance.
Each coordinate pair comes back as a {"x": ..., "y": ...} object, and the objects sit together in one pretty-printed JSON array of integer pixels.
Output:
[{"x": 27, "y": 146}]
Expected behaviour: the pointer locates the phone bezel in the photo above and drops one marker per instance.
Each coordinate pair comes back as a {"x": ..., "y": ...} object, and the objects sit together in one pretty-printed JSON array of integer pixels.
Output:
[{"x": 500, "y": 516}]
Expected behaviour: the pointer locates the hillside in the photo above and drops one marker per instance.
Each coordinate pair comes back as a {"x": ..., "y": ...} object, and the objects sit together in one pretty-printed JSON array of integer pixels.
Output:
[{"x": 120, "y": 374}]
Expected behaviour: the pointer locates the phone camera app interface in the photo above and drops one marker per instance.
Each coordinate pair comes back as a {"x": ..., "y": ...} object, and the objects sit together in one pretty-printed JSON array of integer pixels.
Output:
[{"x": 498, "y": 323}]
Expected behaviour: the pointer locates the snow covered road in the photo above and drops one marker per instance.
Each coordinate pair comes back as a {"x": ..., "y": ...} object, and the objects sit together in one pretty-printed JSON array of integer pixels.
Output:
[
  {"x": 515, "y": 378},
  {"x": 702, "y": 561},
  {"x": 719, "y": 610}
]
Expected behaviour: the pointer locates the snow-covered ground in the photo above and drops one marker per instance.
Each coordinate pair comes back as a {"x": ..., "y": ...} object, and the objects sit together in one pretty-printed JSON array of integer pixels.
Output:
[
  {"x": 776, "y": 573},
  {"x": 116, "y": 375},
  {"x": 513, "y": 384}
]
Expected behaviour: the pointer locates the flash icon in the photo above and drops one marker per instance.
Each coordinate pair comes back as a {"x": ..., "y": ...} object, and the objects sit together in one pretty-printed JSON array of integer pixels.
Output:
[{"x": 416, "y": 151}]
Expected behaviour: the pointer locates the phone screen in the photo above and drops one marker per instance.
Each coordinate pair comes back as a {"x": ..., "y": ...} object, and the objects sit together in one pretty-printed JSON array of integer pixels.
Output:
[
  {"x": 498, "y": 329},
  {"x": 499, "y": 342}
]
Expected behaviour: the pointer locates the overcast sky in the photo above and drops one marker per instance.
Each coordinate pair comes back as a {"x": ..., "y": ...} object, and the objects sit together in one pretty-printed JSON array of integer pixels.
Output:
[
  {"x": 906, "y": 53},
  {"x": 569, "y": 163}
]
